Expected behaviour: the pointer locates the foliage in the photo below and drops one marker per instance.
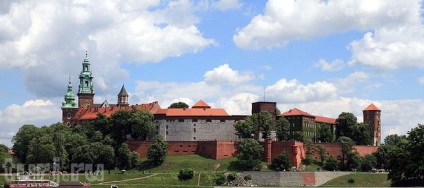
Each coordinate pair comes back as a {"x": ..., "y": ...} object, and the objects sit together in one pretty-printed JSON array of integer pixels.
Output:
[
  {"x": 331, "y": 164},
  {"x": 220, "y": 180},
  {"x": 368, "y": 163},
  {"x": 22, "y": 139},
  {"x": 406, "y": 159},
  {"x": 394, "y": 139},
  {"x": 137, "y": 123},
  {"x": 362, "y": 134},
  {"x": 322, "y": 152},
  {"x": 245, "y": 128},
  {"x": 249, "y": 156},
  {"x": 157, "y": 151},
  {"x": 324, "y": 133},
  {"x": 282, "y": 129},
  {"x": 353, "y": 161},
  {"x": 185, "y": 174},
  {"x": 281, "y": 162},
  {"x": 361, "y": 180},
  {"x": 351, "y": 180},
  {"x": 4, "y": 148},
  {"x": 124, "y": 155},
  {"x": 264, "y": 122},
  {"x": 178, "y": 105},
  {"x": 346, "y": 123},
  {"x": 307, "y": 161},
  {"x": 346, "y": 147}
]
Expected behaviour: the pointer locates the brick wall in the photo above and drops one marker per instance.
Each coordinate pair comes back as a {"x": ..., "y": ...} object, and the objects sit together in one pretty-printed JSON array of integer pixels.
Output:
[
  {"x": 294, "y": 149},
  {"x": 333, "y": 149}
]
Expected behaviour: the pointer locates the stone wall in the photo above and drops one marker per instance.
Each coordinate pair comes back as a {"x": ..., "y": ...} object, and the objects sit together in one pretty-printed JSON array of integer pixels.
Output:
[{"x": 292, "y": 179}]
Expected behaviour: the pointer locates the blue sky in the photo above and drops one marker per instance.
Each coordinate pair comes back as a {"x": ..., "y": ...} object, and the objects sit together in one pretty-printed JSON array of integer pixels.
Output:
[{"x": 324, "y": 57}]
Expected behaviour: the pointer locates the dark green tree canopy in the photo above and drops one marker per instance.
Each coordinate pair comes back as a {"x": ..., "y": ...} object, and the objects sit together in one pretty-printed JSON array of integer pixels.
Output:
[
  {"x": 281, "y": 162},
  {"x": 178, "y": 105},
  {"x": 282, "y": 129},
  {"x": 249, "y": 157},
  {"x": 3, "y": 148},
  {"x": 245, "y": 128},
  {"x": 157, "y": 151}
]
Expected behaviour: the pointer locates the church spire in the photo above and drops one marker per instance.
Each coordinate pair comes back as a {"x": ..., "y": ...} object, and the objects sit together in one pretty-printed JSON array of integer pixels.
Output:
[
  {"x": 69, "y": 101},
  {"x": 86, "y": 78},
  {"x": 123, "y": 97}
]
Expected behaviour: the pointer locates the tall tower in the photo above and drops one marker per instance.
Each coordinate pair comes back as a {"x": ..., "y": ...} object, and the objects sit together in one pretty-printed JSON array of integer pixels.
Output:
[
  {"x": 123, "y": 97},
  {"x": 270, "y": 107},
  {"x": 85, "y": 88},
  {"x": 69, "y": 106},
  {"x": 372, "y": 118}
]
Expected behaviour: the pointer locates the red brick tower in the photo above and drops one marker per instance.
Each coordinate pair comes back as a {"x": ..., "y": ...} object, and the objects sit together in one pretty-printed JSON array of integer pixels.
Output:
[{"x": 372, "y": 118}]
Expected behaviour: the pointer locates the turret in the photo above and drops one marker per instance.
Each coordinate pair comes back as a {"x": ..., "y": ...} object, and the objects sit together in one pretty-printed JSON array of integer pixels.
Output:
[
  {"x": 69, "y": 106},
  {"x": 85, "y": 88},
  {"x": 123, "y": 97},
  {"x": 372, "y": 117}
]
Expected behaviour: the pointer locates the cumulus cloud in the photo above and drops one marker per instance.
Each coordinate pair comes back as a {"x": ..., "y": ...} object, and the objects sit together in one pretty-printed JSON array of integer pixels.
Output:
[
  {"x": 335, "y": 65},
  {"x": 349, "y": 83},
  {"x": 291, "y": 91},
  {"x": 227, "y": 4},
  {"x": 225, "y": 75},
  {"x": 35, "y": 112},
  {"x": 47, "y": 39},
  {"x": 283, "y": 21},
  {"x": 421, "y": 80}
]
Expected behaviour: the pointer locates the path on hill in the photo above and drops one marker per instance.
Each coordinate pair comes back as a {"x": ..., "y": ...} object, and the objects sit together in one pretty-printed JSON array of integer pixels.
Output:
[{"x": 109, "y": 182}]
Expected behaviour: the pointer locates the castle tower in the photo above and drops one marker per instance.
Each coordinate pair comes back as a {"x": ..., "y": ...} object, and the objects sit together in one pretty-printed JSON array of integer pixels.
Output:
[
  {"x": 270, "y": 107},
  {"x": 85, "y": 88},
  {"x": 69, "y": 106},
  {"x": 372, "y": 118},
  {"x": 123, "y": 97}
]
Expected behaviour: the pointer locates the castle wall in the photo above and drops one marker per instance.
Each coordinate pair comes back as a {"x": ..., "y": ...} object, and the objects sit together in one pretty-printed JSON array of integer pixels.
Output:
[{"x": 333, "y": 149}]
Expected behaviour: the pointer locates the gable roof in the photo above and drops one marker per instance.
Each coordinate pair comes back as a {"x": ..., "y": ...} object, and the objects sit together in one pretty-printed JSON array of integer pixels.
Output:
[
  {"x": 201, "y": 104},
  {"x": 322, "y": 119},
  {"x": 91, "y": 113},
  {"x": 371, "y": 107},
  {"x": 296, "y": 112}
]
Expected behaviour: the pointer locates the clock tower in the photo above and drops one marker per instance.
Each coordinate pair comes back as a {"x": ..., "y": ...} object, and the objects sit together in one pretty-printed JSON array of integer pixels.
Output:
[{"x": 85, "y": 88}]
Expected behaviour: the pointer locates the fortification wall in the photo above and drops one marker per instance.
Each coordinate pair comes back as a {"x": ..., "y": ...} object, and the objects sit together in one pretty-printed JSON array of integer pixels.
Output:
[{"x": 333, "y": 149}]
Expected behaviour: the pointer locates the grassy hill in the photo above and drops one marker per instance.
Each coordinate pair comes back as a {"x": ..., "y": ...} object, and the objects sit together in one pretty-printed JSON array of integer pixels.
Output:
[{"x": 360, "y": 180}]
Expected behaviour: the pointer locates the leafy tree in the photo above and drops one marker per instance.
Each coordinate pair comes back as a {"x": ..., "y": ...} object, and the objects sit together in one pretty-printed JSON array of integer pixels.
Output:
[
  {"x": 102, "y": 124},
  {"x": 346, "y": 123},
  {"x": 134, "y": 159},
  {"x": 282, "y": 127},
  {"x": 22, "y": 139},
  {"x": 263, "y": 120},
  {"x": 245, "y": 128},
  {"x": 324, "y": 133},
  {"x": 124, "y": 157},
  {"x": 346, "y": 147},
  {"x": 362, "y": 134},
  {"x": 41, "y": 150},
  {"x": 157, "y": 151},
  {"x": 331, "y": 164},
  {"x": 394, "y": 139},
  {"x": 4, "y": 148},
  {"x": 121, "y": 125},
  {"x": 322, "y": 152},
  {"x": 368, "y": 162},
  {"x": 249, "y": 157},
  {"x": 353, "y": 161},
  {"x": 141, "y": 123},
  {"x": 178, "y": 105},
  {"x": 281, "y": 162},
  {"x": 95, "y": 153}
]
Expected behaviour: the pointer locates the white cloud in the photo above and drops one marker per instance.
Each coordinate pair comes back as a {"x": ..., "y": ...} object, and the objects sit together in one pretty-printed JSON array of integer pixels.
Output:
[
  {"x": 283, "y": 21},
  {"x": 48, "y": 38},
  {"x": 348, "y": 84},
  {"x": 291, "y": 91},
  {"x": 35, "y": 112},
  {"x": 227, "y": 4},
  {"x": 421, "y": 80},
  {"x": 389, "y": 49},
  {"x": 335, "y": 65},
  {"x": 225, "y": 75},
  {"x": 239, "y": 104}
]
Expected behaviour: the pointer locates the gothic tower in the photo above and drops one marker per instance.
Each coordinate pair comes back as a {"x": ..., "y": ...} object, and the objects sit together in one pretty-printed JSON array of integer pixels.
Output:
[
  {"x": 123, "y": 97},
  {"x": 69, "y": 106},
  {"x": 85, "y": 88},
  {"x": 372, "y": 118}
]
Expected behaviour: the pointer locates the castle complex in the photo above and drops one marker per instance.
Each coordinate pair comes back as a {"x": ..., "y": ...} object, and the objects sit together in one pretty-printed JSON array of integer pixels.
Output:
[{"x": 202, "y": 129}]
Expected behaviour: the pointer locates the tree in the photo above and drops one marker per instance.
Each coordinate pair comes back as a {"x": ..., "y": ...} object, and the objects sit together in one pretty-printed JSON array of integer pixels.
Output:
[
  {"x": 368, "y": 162},
  {"x": 4, "y": 148},
  {"x": 141, "y": 123},
  {"x": 124, "y": 157},
  {"x": 263, "y": 120},
  {"x": 324, "y": 133},
  {"x": 41, "y": 150},
  {"x": 346, "y": 147},
  {"x": 322, "y": 153},
  {"x": 282, "y": 127},
  {"x": 394, "y": 139},
  {"x": 281, "y": 162},
  {"x": 178, "y": 105},
  {"x": 331, "y": 164},
  {"x": 249, "y": 157},
  {"x": 102, "y": 124},
  {"x": 22, "y": 139},
  {"x": 121, "y": 125},
  {"x": 346, "y": 123},
  {"x": 185, "y": 174},
  {"x": 157, "y": 151},
  {"x": 353, "y": 161},
  {"x": 362, "y": 135},
  {"x": 245, "y": 128}
]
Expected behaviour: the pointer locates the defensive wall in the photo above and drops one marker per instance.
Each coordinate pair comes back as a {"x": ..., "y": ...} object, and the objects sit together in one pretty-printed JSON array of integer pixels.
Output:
[
  {"x": 292, "y": 179},
  {"x": 226, "y": 149}
]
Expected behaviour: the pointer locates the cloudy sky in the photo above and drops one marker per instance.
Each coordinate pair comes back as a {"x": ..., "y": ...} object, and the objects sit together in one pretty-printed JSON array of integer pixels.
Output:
[{"x": 324, "y": 57}]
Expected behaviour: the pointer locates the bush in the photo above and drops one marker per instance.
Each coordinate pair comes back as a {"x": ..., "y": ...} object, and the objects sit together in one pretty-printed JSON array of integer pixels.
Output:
[
  {"x": 231, "y": 177},
  {"x": 307, "y": 161},
  {"x": 186, "y": 174},
  {"x": 331, "y": 164},
  {"x": 351, "y": 180},
  {"x": 281, "y": 162},
  {"x": 247, "y": 177},
  {"x": 220, "y": 180}
]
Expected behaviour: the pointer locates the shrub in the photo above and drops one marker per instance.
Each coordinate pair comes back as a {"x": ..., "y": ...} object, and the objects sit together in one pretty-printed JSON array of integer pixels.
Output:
[
  {"x": 247, "y": 177},
  {"x": 307, "y": 161},
  {"x": 186, "y": 174},
  {"x": 220, "y": 180},
  {"x": 281, "y": 162},
  {"x": 231, "y": 177},
  {"x": 351, "y": 180},
  {"x": 331, "y": 164}
]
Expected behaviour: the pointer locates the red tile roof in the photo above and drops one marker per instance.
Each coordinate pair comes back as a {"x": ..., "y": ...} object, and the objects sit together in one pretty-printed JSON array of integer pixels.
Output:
[
  {"x": 201, "y": 104},
  {"x": 371, "y": 107},
  {"x": 296, "y": 112},
  {"x": 10, "y": 152},
  {"x": 193, "y": 112},
  {"x": 322, "y": 119},
  {"x": 91, "y": 113}
]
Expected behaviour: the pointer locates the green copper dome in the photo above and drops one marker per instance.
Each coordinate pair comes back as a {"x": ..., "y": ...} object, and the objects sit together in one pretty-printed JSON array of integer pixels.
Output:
[{"x": 69, "y": 97}]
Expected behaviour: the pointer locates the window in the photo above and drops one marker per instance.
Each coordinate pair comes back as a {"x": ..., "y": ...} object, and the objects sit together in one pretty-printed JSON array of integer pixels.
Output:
[
  {"x": 166, "y": 132},
  {"x": 194, "y": 138},
  {"x": 222, "y": 120},
  {"x": 208, "y": 120},
  {"x": 181, "y": 120},
  {"x": 194, "y": 129},
  {"x": 157, "y": 127},
  {"x": 194, "y": 120},
  {"x": 167, "y": 127},
  {"x": 68, "y": 115}
]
